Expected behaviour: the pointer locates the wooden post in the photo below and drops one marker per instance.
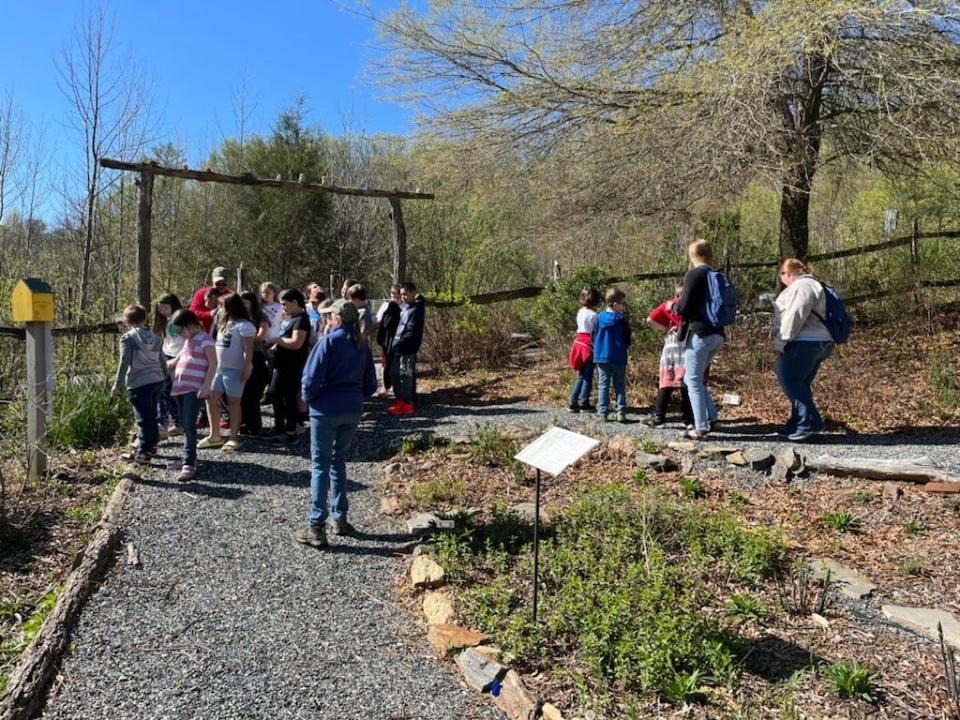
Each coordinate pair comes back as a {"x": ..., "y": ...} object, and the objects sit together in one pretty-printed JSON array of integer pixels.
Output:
[
  {"x": 39, "y": 337},
  {"x": 915, "y": 264},
  {"x": 144, "y": 213},
  {"x": 331, "y": 295},
  {"x": 241, "y": 278},
  {"x": 556, "y": 271},
  {"x": 399, "y": 242}
]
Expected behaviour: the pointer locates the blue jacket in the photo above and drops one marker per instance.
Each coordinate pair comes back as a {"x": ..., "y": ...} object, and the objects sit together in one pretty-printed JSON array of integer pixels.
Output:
[
  {"x": 611, "y": 338},
  {"x": 338, "y": 375},
  {"x": 410, "y": 329}
]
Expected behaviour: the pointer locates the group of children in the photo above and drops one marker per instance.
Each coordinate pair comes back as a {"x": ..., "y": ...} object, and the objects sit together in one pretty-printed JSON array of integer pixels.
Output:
[
  {"x": 228, "y": 351},
  {"x": 602, "y": 340}
]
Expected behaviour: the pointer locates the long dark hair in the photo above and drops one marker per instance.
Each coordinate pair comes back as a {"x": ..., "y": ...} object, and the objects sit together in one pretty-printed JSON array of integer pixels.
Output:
[
  {"x": 159, "y": 321},
  {"x": 256, "y": 312},
  {"x": 233, "y": 309}
]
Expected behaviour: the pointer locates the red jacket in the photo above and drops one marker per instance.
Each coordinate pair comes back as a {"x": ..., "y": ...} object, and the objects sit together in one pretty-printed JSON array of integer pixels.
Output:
[
  {"x": 581, "y": 351},
  {"x": 199, "y": 307}
]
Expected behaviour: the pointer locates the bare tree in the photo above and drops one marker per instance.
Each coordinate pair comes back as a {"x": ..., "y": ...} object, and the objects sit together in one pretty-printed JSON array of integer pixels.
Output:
[
  {"x": 11, "y": 145},
  {"x": 111, "y": 112}
]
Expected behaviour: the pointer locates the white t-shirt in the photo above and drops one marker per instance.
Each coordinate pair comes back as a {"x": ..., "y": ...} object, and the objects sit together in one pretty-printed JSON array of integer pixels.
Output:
[
  {"x": 273, "y": 312},
  {"x": 586, "y": 320},
  {"x": 230, "y": 344}
]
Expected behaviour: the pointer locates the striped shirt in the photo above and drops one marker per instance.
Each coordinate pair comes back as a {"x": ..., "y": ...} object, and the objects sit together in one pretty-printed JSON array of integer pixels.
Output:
[{"x": 192, "y": 365}]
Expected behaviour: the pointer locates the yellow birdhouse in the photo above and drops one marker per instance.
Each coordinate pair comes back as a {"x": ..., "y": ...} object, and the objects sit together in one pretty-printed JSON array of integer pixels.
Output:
[{"x": 32, "y": 301}]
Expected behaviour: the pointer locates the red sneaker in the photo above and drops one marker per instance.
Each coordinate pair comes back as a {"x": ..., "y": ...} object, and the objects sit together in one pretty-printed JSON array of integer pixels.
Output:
[
  {"x": 406, "y": 409},
  {"x": 396, "y": 408}
]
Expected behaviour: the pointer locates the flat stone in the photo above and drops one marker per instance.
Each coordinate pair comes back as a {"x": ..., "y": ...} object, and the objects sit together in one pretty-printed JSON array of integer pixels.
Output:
[
  {"x": 490, "y": 652},
  {"x": 437, "y": 608},
  {"x": 791, "y": 460},
  {"x": 686, "y": 466},
  {"x": 924, "y": 621},
  {"x": 390, "y": 505},
  {"x": 850, "y": 583},
  {"x": 550, "y": 712},
  {"x": 718, "y": 451},
  {"x": 393, "y": 471},
  {"x": 759, "y": 460},
  {"x": 525, "y": 511},
  {"x": 681, "y": 446},
  {"x": 423, "y": 523},
  {"x": 942, "y": 487},
  {"x": 428, "y": 465},
  {"x": 621, "y": 445},
  {"x": 660, "y": 463},
  {"x": 460, "y": 440},
  {"x": 737, "y": 458},
  {"x": 514, "y": 699},
  {"x": 425, "y": 573},
  {"x": 819, "y": 620},
  {"x": 479, "y": 672},
  {"x": 447, "y": 639}
]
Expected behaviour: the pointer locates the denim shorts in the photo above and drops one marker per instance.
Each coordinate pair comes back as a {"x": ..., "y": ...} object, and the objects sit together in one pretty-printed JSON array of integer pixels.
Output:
[{"x": 227, "y": 382}]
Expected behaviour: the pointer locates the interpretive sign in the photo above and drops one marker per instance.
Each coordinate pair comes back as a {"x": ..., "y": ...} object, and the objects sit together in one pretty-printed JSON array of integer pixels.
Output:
[{"x": 556, "y": 450}]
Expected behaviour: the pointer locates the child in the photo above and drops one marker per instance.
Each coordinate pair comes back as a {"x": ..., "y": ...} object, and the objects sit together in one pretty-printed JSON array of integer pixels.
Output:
[
  {"x": 388, "y": 318},
  {"x": 665, "y": 320},
  {"x": 290, "y": 355},
  {"x": 357, "y": 294},
  {"x": 251, "y": 419},
  {"x": 406, "y": 345},
  {"x": 610, "y": 342},
  {"x": 166, "y": 306},
  {"x": 270, "y": 305},
  {"x": 193, "y": 372},
  {"x": 581, "y": 352},
  {"x": 143, "y": 372},
  {"x": 234, "y": 343}
]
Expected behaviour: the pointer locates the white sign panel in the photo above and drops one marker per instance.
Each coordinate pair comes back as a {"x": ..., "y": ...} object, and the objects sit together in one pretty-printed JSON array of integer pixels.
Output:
[{"x": 556, "y": 450}]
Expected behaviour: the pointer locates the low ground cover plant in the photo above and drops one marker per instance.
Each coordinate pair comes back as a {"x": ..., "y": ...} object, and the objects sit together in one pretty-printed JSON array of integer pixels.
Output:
[{"x": 626, "y": 576}]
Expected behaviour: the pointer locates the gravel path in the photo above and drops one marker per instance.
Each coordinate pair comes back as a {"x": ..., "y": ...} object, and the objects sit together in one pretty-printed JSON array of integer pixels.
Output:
[{"x": 228, "y": 618}]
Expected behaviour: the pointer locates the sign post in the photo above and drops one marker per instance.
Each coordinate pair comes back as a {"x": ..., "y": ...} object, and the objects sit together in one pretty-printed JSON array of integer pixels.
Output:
[
  {"x": 32, "y": 302},
  {"x": 553, "y": 452}
]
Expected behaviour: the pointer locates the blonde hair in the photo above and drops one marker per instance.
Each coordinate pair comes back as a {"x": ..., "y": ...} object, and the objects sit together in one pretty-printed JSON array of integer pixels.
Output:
[
  {"x": 701, "y": 250},
  {"x": 272, "y": 288},
  {"x": 794, "y": 267},
  {"x": 614, "y": 295}
]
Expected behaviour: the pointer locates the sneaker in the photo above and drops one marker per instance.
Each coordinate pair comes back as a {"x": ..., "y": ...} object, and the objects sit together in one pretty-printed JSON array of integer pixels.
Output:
[
  {"x": 341, "y": 527},
  {"x": 655, "y": 421},
  {"x": 395, "y": 408},
  {"x": 209, "y": 443},
  {"x": 801, "y": 435},
  {"x": 588, "y": 408},
  {"x": 174, "y": 431},
  {"x": 186, "y": 473},
  {"x": 143, "y": 458},
  {"x": 314, "y": 536},
  {"x": 573, "y": 408},
  {"x": 232, "y": 445},
  {"x": 603, "y": 416},
  {"x": 621, "y": 417}
]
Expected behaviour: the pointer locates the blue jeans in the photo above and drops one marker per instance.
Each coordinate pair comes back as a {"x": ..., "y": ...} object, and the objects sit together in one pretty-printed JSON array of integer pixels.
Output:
[
  {"x": 580, "y": 395},
  {"x": 796, "y": 368},
  {"x": 330, "y": 438},
  {"x": 696, "y": 359},
  {"x": 144, "y": 402},
  {"x": 618, "y": 373},
  {"x": 188, "y": 408}
]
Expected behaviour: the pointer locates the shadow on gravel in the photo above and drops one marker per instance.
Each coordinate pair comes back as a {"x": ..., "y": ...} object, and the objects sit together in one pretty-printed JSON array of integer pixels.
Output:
[
  {"x": 390, "y": 551},
  {"x": 197, "y": 487}
]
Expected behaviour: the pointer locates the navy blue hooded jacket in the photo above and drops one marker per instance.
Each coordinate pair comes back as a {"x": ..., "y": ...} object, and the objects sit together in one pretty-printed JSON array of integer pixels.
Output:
[{"x": 338, "y": 375}]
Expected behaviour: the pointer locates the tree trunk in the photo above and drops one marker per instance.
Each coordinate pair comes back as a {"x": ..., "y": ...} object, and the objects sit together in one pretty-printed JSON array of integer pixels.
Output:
[{"x": 794, "y": 221}]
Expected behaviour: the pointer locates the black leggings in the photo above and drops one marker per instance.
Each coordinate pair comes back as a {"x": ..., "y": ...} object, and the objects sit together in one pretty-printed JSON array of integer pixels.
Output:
[
  {"x": 663, "y": 402},
  {"x": 252, "y": 391},
  {"x": 284, "y": 394}
]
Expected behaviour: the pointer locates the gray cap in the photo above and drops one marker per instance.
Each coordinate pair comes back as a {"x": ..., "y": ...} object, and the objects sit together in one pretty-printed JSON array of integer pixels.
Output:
[
  {"x": 219, "y": 273},
  {"x": 344, "y": 309}
]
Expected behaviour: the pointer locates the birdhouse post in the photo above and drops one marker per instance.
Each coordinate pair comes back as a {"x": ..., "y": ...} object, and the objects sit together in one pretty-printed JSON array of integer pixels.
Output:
[{"x": 33, "y": 305}]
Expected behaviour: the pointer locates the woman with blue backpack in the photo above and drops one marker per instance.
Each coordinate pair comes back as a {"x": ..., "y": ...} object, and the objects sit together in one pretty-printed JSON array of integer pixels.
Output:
[
  {"x": 802, "y": 339},
  {"x": 707, "y": 303}
]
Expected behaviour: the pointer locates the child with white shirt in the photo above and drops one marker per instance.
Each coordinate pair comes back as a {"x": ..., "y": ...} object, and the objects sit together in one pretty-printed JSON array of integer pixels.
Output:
[{"x": 581, "y": 352}]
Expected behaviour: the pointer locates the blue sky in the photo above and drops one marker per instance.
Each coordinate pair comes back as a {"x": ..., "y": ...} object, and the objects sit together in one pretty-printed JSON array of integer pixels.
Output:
[{"x": 198, "y": 52}]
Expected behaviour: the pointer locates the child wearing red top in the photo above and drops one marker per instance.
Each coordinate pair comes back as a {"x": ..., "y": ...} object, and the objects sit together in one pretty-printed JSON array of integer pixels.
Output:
[
  {"x": 664, "y": 319},
  {"x": 581, "y": 352}
]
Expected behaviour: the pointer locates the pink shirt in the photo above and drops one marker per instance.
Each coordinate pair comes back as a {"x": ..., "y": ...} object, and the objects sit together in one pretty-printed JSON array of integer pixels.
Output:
[{"x": 192, "y": 365}]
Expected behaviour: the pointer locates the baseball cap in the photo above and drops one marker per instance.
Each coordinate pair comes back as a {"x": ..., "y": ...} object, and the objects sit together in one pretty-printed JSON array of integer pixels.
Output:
[
  {"x": 219, "y": 275},
  {"x": 345, "y": 309}
]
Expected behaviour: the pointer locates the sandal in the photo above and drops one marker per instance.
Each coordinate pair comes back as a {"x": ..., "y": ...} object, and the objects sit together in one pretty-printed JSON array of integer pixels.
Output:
[
  {"x": 186, "y": 473},
  {"x": 694, "y": 435},
  {"x": 208, "y": 443}
]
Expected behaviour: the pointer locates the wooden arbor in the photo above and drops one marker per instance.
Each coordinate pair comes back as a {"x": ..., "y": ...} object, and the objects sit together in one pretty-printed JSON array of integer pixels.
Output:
[{"x": 145, "y": 208}]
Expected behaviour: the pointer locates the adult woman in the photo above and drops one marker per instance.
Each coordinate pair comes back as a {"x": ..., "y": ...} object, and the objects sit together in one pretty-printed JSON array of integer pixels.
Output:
[
  {"x": 802, "y": 342},
  {"x": 253, "y": 390},
  {"x": 290, "y": 354},
  {"x": 701, "y": 339},
  {"x": 338, "y": 375}
]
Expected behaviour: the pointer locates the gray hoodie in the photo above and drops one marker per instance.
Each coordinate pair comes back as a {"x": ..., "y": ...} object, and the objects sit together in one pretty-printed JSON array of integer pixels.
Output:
[
  {"x": 795, "y": 313},
  {"x": 141, "y": 362}
]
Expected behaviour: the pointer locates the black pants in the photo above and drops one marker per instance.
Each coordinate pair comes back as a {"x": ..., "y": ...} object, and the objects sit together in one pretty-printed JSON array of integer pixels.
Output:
[
  {"x": 663, "y": 402},
  {"x": 250, "y": 401},
  {"x": 284, "y": 392}
]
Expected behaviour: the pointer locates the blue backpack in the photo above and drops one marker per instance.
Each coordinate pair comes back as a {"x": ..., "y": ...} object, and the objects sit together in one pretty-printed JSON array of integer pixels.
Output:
[
  {"x": 837, "y": 320},
  {"x": 721, "y": 304}
]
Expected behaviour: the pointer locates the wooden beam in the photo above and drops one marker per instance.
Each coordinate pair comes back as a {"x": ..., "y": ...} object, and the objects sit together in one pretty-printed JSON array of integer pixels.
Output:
[
  {"x": 144, "y": 217},
  {"x": 918, "y": 471},
  {"x": 248, "y": 179},
  {"x": 399, "y": 242}
]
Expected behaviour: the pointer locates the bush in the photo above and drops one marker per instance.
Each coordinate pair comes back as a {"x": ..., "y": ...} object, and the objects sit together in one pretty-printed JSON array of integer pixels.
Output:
[
  {"x": 622, "y": 591},
  {"x": 86, "y": 415},
  {"x": 555, "y": 310},
  {"x": 471, "y": 335}
]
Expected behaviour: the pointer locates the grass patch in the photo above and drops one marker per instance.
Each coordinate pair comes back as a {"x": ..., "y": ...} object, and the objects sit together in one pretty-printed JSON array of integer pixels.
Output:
[
  {"x": 626, "y": 574},
  {"x": 841, "y": 520},
  {"x": 12, "y": 649},
  {"x": 492, "y": 447},
  {"x": 438, "y": 491},
  {"x": 851, "y": 681},
  {"x": 913, "y": 528},
  {"x": 86, "y": 415}
]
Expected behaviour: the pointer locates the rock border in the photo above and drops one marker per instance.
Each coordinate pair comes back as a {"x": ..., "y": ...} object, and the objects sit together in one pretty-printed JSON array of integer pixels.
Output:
[{"x": 31, "y": 678}]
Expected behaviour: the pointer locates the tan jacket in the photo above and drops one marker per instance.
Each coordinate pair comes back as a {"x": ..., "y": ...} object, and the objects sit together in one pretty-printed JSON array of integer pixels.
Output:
[{"x": 793, "y": 313}]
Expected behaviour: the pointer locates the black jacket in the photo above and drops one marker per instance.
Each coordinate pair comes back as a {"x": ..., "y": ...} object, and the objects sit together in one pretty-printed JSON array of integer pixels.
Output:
[
  {"x": 691, "y": 307},
  {"x": 410, "y": 329},
  {"x": 388, "y": 326}
]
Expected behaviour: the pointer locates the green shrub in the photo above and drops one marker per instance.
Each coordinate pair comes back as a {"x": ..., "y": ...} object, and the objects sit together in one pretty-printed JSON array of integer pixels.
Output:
[
  {"x": 852, "y": 681},
  {"x": 11, "y": 650},
  {"x": 943, "y": 374},
  {"x": 841, "y": 521},
  {"x": 86, "y": 415},
  {"x": 743, "y": 608},
  {"x": 691, "y": 487},
  {"x": 439, "y": 490},
  {"x": 555, "y": 310},
  {"x": 492, "y": 447}
]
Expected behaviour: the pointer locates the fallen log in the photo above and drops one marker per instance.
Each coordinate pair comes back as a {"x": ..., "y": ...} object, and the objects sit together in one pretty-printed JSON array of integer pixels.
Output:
[{"x": 919, "y": 470}]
